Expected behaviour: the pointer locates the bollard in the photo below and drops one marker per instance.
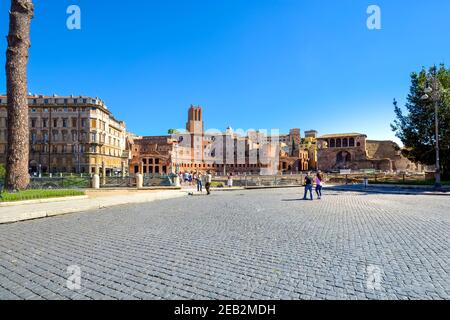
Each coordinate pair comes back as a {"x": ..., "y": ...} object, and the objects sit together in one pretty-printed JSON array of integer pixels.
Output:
[
  {"x": 96, "y": 181},
  {"x": 177, "y": 181},
  {"x": 366, "y": 182},
  {"x": 139, "y": 181}
]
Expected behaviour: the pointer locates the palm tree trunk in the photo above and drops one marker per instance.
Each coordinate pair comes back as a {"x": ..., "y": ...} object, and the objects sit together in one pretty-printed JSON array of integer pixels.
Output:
[{"x": 21, "y": 13}]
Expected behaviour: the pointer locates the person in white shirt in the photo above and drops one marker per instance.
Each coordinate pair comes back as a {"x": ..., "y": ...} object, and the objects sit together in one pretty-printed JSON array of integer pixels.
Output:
[{"x": 230, "y": 181}]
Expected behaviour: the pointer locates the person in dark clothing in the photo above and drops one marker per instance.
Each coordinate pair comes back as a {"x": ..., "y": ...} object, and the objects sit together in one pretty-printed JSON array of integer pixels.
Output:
[
  {"x": 308, "y": 186},
  {"x": 208, "y": 180},
  {"x": 319, "y": 185}
]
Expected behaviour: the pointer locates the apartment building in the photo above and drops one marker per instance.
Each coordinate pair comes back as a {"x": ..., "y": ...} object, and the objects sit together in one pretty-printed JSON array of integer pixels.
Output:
[{"x": 70, "y": 134}]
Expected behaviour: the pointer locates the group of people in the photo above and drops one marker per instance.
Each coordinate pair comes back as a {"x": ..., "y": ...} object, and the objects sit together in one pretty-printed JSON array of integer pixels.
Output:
[
  {"x": 310, "y": 181},
  {"x": 197, "y": 178}
]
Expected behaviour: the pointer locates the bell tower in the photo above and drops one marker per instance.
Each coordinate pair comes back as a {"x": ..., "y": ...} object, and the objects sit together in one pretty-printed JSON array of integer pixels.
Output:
[{"x": 195, "y": 120}]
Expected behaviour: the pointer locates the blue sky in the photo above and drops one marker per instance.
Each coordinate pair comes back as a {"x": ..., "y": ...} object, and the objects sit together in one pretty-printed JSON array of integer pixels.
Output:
[{"x": 250, "y": 63}]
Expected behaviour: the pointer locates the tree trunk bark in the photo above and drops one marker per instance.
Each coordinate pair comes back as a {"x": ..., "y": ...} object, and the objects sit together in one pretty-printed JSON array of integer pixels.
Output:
[{"x": 21, "y": 13}]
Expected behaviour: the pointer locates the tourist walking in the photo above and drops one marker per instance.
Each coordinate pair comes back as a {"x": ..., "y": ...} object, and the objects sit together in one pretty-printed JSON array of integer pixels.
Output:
[
  {"x": 190, "y": 178},
  {"x": 208, "y": 180},
  {"x": 199, "y": 182},
  {"x": 186, "y": 178},
  {"x": 319, "y": 185},
  {"x": 230, "y": 180},
  {"x": 308, "y": 186}
]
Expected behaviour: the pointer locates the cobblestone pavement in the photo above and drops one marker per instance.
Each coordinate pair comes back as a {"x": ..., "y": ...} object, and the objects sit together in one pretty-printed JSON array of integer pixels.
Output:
[{"x": 262, "y": 244}]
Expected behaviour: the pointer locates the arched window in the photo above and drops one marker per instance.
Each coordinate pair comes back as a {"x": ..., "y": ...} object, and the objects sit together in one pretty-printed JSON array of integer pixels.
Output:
[
  {"x": 345, "y": 142},
  {"x": 338, "y": 143},
  {"x": 343, "y": 157}
]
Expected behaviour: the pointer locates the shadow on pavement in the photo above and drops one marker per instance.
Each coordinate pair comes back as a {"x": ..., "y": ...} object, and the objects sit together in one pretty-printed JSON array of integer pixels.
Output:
[{"x": 389, "y": 190}]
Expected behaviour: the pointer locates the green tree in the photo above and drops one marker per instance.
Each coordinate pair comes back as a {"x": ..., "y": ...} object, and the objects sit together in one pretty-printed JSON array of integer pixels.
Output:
[
  {"x": 2, "y": 171},
  {"x": 172, "y": 131},
  {"x": 416, "y": 128}
]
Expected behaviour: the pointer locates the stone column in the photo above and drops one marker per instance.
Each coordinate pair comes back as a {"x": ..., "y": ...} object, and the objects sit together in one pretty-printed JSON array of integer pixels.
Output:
[
  {"x": 123, "y": 169},
  {"x": 103, "y": 173},
  {"x": 141, "y": 167}
]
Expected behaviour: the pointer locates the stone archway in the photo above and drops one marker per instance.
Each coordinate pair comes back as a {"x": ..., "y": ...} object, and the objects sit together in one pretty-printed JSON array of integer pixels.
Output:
[{"x": 343, "y": 157}]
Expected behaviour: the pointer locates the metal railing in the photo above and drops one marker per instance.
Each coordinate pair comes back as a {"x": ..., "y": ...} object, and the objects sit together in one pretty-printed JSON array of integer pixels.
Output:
[
  {"x": 260, "y": 181},
  {"x": 118, "y": 182},
  {"x": 158, "y": 180},
  {"x": 64, "y": 182}
]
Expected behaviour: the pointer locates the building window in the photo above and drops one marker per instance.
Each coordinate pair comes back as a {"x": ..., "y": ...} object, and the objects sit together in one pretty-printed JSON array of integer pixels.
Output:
[
  {"x": 55, "y": 123},
  {"x": 64, "y": 123},
  {"x": 352, "y": 142},
  {"x": 332, "y": 143},
  {"x": 345, "y": 142},
  {"x": 74, "y": 122},
  {"x": 33, "y": 123},
  {"x": 338, "y": 143},
  {"x": 83, "y": 123}
]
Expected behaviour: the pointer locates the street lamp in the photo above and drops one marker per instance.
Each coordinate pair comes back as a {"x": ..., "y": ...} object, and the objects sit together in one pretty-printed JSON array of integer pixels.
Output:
[
  {"x": 175, "y": 149},
  {"x": 432, "y": 93}
]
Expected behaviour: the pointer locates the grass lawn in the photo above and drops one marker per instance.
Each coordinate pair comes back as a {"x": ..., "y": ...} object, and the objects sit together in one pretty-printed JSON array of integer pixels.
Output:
[
  {"x": 38, "y": 194},
  {"x": 216, "y": 184}
]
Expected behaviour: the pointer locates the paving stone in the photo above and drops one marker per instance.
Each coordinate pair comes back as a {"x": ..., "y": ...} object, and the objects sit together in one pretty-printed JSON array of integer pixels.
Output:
[{"x": 220, "y": 247}]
